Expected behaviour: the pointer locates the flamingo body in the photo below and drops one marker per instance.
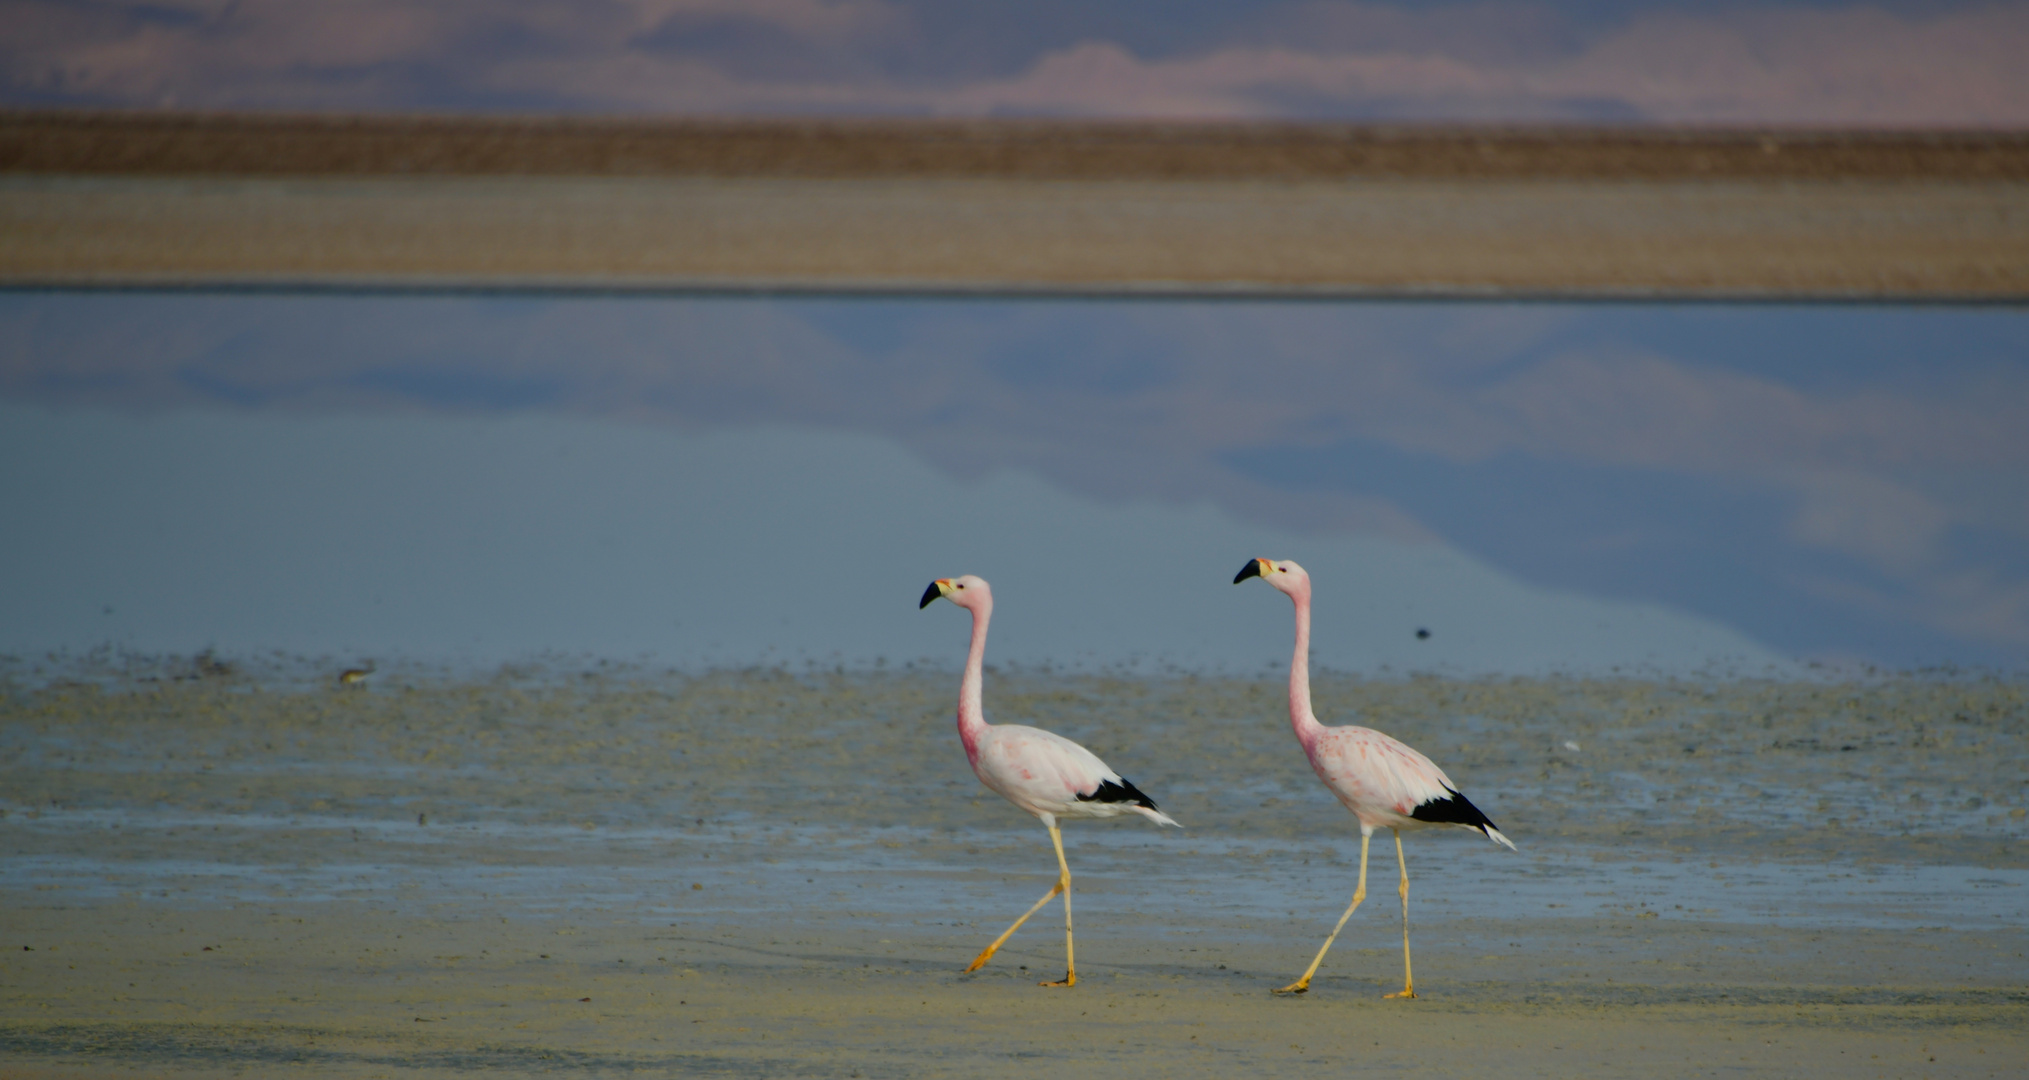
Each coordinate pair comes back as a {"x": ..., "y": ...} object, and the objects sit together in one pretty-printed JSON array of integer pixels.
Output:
[
  {"x": 1387, "y": 784},
  {"x": 1040, "y": 771},
  {"x": 1047, "y": 774}
]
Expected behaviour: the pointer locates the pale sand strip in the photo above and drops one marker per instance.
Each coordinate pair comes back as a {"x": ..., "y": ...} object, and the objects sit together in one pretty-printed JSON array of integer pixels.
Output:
[
  {"x": 345, "y": 990},
  {"x": 1862, "y": 239}
]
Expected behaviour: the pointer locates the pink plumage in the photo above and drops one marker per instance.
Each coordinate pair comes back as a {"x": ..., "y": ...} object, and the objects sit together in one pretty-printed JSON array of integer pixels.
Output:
[
  {"x": 1383, "y": 781},
  {"x": 1040, "y": 771},
  {"x": 1387, "y": 784}
]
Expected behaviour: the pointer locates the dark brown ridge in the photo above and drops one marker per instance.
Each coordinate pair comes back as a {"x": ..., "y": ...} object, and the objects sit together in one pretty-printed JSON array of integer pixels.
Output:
[{"x": 164, "y": 143}]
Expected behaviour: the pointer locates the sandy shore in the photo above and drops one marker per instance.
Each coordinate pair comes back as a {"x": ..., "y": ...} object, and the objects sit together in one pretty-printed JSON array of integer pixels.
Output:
[
  {"x": 1549, "y": 239},
  {"x": 931, "y": 207},
  {"x": 758, "y": 874}
]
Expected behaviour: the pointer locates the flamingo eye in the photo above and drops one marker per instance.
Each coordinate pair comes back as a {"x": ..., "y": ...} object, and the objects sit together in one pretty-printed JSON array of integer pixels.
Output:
[{"x": 961, "y": 586}]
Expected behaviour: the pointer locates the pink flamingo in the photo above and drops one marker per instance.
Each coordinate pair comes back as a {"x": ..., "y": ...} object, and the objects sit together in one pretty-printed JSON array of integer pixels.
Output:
[
  {"x": 1382, "y": 781},
  {"x": 1041, "y": 772}
]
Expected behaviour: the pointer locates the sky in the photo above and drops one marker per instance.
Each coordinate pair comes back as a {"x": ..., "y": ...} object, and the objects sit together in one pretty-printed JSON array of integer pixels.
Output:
[
  {"x": 1839, "y": 483},
  {"x": 1874, "y": 64}
]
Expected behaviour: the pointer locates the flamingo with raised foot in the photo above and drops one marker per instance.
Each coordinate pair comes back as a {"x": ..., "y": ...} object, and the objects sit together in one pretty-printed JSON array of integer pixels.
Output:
[
  {"x": 1382, "y": 781},
  {"x": 1041, "y": 772}
]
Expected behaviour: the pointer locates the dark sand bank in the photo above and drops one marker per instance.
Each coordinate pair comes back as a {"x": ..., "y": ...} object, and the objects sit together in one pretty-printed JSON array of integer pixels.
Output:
[
  {"x": 760, "y": 874},
  {"x": 74, "y": 142}
]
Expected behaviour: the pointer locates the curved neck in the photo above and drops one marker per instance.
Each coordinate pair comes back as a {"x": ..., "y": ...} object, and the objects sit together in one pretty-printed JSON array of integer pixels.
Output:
[
  {"x": 1301, "y": 719},
  {"x": 971, "y": 714}
]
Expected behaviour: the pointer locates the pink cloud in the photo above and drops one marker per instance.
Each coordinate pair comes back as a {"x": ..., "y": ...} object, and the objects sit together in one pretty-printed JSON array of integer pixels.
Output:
[
  {"x": 1851, "y": 66},
  {"x": 832, "y": 19},
  {"x": 1101, "y": 79},
  {"x": 1885, "y": 523},
  {"x": 1491, "y": 61},
  {"x": 1652, "y": 411}
]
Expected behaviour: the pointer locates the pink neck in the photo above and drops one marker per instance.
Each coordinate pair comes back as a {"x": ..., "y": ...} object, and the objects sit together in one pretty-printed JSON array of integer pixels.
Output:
[
  {"x": 972, "y": 723},
  {"x": 1301, "y": 719}
]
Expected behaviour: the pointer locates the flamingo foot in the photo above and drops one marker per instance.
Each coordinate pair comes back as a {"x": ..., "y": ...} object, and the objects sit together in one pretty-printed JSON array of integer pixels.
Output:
[
  {"x": 1300, "y": 986},
  {"x": 1069, "y": 979},
  {"x": 1407, "y": 992},
  {"x": 979, "y": 961}
]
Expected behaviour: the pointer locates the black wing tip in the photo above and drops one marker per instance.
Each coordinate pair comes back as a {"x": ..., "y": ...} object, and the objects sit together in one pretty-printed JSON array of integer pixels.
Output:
[
  {"x": 1122, "y": 792},
  {"x": 1453, "y": 809}
]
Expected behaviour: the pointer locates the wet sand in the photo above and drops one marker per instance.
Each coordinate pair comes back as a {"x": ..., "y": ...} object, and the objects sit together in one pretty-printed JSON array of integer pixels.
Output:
[{"x": 762, "y": 873}]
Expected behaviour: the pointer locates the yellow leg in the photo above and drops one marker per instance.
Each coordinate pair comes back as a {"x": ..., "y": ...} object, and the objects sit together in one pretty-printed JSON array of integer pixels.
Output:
[
  {"x": 1359, "y": 894},
  {"x": 980, "y": 960},
  {"x": 1064, "y": 883},
  {"x": 1408, "y": 974}
]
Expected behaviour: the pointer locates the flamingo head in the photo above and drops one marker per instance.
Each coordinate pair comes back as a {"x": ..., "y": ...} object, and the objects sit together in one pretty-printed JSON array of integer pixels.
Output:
[
  {"x": 968, "y": 592},
  {"x": 1286, "y": 576}
]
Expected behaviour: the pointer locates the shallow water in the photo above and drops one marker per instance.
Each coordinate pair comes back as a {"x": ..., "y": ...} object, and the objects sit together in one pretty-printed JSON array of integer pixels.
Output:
[
  {"x": 1733, "y": 800},
  {"x": 97, "y": 856}
]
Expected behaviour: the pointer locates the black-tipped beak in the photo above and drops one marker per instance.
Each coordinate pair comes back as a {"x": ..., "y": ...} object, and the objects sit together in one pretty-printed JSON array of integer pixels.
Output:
[
  {"x": 1252, "y": 569},
  {"x": 929, "y": 594}
]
